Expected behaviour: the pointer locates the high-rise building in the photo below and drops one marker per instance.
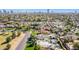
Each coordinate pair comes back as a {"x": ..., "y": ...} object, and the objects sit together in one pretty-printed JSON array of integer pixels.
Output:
[{"x": 47, "y": 10}]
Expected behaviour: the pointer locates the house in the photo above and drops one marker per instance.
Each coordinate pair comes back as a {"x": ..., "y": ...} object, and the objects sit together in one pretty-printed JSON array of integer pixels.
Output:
[
  {"x": 45, "y": 28},
  {"x": 54, "y": 41},
  {"x": 69, "y": 37},
  {"x": 2, "y": 26},
  {"x": 52, "y": 36},
  {"x": 55, "y": 46},
  {"x": 70, "y": 45},
  {"x": 41, "y": 36},
  {"x": 43, "y": 43}
]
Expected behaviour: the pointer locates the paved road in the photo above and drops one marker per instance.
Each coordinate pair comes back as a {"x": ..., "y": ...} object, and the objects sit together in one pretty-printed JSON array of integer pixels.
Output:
[
  {"x": 23, "y": 42},
  {"x": 61, "y": 44}
]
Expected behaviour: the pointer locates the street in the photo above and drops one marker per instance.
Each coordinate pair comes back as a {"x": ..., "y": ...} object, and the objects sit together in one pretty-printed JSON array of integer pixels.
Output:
[{"x": 23, "y": 42}]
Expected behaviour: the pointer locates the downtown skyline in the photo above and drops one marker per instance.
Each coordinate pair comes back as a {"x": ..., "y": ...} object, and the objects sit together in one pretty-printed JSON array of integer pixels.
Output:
[{"x": 42, "y": 10}]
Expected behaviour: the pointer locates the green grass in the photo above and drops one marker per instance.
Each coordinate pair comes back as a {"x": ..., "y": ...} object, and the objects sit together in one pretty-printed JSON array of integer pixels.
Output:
[
  {"x": 4, "y": 36},
  {"x": 9, "y": 28},
  {"x": 3, "y": 39},
  {"x": 29, "y": 48},
  {"x": 33, "y": 32}
]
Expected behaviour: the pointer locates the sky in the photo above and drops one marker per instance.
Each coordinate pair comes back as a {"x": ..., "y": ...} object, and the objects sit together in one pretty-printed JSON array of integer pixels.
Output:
[{"x": 44, "y": 10}]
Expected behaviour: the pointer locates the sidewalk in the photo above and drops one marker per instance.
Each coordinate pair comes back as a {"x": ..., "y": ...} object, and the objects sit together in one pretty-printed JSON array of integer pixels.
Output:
[{"x": 15, "y": 42}]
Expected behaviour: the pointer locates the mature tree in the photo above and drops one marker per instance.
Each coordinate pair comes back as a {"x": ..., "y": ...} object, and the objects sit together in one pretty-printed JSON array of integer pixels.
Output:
[
  {"x": 13, "y": 35},
  {"x": 76, "y": 46},
  {"x": 8, "y": 39},
  {"x": 7, "y": 47}
]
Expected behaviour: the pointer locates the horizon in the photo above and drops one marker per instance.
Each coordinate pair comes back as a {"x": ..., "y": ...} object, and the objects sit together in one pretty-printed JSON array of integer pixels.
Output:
[{"x": 42, "y": 10}]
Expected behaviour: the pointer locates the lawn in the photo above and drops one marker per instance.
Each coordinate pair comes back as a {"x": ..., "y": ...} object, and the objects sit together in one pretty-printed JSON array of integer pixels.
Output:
[
  {"x": 3, "y": 39},
  {"x": 29, "y": 48},
  {"x": 4, "y": 36},
  {"x": 33, "y": 32},
  {"x": 8, "y": 29},
  {"x": 3, "y": 46}
]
